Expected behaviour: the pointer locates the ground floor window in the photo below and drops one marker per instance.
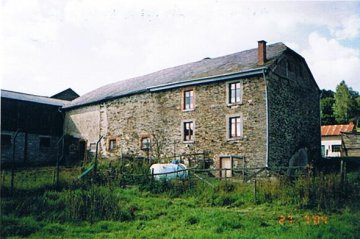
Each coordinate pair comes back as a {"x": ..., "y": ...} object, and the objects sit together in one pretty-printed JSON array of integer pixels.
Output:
[
  {"x": 188, "y": 133},
  {"x": 336, "y": 148},
  {"x": 145, "y": 143},
  {"x": 44, "y": 142},
  {"x": 112, "y": 144}
]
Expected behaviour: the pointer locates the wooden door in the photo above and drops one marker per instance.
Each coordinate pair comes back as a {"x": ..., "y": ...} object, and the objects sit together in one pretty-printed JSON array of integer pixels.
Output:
[{"x": 226, "y": 163}]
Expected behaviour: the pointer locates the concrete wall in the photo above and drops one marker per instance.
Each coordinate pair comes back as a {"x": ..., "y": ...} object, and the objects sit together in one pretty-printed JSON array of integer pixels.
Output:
[
  {"x": 159, "y": 115},
  {"x": 294, "y": 111}
]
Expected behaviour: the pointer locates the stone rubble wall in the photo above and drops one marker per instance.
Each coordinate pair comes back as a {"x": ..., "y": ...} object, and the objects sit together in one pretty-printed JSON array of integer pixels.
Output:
[
  {"x": 159, "y": 115},
  {"x": 294, "y": 112}
]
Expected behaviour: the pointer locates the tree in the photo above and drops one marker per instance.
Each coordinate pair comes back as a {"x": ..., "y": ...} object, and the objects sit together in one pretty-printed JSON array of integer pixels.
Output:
[
  {"x": 327, "y": 112},
  {"x": 326, "y": 107},
  {"x": 344, "y": 103}
]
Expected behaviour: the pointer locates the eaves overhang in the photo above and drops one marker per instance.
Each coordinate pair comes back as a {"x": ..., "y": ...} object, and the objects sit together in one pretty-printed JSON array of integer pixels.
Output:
[{"x": 209, "y": 79}]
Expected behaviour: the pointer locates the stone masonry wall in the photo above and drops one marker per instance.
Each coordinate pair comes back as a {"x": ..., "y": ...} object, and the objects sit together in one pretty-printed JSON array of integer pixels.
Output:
[
  {"x": 159, "y": 115},
  {"x": 294, "y": 113}
]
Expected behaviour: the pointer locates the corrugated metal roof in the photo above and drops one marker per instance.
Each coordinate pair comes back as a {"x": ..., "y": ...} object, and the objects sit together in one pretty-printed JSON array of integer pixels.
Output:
[
  {"x": 333, "y": 130},
  {"x": 242, "y": 61},
  {"x": 31, "y": 98}
]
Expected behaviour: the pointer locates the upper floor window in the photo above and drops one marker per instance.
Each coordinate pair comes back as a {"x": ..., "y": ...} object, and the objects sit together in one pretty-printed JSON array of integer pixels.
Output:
[
  {"x": 234, "y": 127},
  {"x": 234, "y": 92},
  {"x": 188, "y": 131},
  {"x": 188, "y": 99}
]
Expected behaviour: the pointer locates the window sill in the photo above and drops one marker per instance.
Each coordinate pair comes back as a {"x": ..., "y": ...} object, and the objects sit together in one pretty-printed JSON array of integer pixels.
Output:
[
  {"x": 234, "y": 105},
  {"x": 189, "y": 142},
  {"x": 235, "y": 139},
  {"x": 188, "y": 110}
]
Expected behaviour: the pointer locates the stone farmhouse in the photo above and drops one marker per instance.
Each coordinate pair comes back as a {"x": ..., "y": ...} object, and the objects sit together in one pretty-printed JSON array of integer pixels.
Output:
[{"x": 258, "y": 106}]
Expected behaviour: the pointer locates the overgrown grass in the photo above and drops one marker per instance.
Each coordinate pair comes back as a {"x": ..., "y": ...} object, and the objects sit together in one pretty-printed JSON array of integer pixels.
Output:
[{"x": 181, "y": 209}]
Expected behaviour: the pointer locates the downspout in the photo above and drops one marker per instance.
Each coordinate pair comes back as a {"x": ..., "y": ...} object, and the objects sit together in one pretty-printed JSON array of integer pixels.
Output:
[{"x": 267, "y": 121}]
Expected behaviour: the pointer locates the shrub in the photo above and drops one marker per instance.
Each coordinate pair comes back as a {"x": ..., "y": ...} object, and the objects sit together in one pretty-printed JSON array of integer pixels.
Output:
[{"x": 94, "y": 204}]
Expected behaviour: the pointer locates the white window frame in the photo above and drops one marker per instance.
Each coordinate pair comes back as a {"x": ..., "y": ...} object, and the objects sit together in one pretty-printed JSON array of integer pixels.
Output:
[
  {"x": 192, "y": 140},
  {"x": 145, "y": 143},
  {"x": 110, "y": 146},
  {"x": 228, "y": 92},
  {"x": 183, "y": 99},
  {"x": 228, "y": 126}
]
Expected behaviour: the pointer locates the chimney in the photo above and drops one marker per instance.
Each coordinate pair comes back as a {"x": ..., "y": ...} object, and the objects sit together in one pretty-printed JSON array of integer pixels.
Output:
[{"x": 261, "y": 52}]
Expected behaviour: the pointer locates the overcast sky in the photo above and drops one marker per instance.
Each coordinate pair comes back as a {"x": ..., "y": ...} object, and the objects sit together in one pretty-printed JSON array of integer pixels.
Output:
[{"x": 51, "y": 45}]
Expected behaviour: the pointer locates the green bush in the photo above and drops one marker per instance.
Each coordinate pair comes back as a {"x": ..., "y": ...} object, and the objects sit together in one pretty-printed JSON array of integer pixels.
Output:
[{"x": 94, "y": 204}]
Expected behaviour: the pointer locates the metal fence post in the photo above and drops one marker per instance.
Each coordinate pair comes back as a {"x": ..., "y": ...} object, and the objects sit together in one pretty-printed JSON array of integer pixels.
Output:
[
  {"x": 255, "y": 200},
  {"x": 13, "y": 162}
]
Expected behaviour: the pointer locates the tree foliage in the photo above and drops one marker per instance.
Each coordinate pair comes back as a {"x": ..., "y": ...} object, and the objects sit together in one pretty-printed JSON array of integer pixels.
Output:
[
  {"x": 326, "y": 105},
  {"x": 341, "y": 106},
  {"x": 343, "y": 103}
]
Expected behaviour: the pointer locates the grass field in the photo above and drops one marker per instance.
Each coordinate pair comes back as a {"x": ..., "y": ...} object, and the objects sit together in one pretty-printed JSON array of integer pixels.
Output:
[{"x": 316, "y": 208}]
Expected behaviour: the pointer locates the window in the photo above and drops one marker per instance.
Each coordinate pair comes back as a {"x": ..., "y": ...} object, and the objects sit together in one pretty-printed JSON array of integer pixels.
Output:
[
  {"x": 188, "y": 131},
  {"x": 234, "y": 127},
  {"x": 323, "y": 150},
  {"x": 234, "y": 93},
  {"x": 145, "y": 143},
  {"x": 44, "y": 142},
  {"x": 335, "y": 148},
  {"x": 112, "y": 144},
  {"x": 188, "y": 100},
  {"x": 5, "y": 140}
]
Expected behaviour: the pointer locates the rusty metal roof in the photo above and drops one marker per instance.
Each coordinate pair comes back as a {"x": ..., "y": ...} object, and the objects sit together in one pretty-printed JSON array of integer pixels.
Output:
[
  {"x": 333, "y": 130},
  {"x": 31, "y": 98},
  {"x": 238, "y": 62}
]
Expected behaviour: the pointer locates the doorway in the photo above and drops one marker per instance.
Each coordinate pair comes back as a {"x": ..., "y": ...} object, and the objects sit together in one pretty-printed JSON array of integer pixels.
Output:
[{"x": 226, "y": 163}]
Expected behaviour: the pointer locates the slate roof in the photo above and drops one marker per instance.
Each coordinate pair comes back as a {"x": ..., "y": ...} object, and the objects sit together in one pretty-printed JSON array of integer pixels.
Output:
[
  {"x": 335, "y": 130},
  {"x": 237, "y": 62},
  {"x": 31, "y": 98}
]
